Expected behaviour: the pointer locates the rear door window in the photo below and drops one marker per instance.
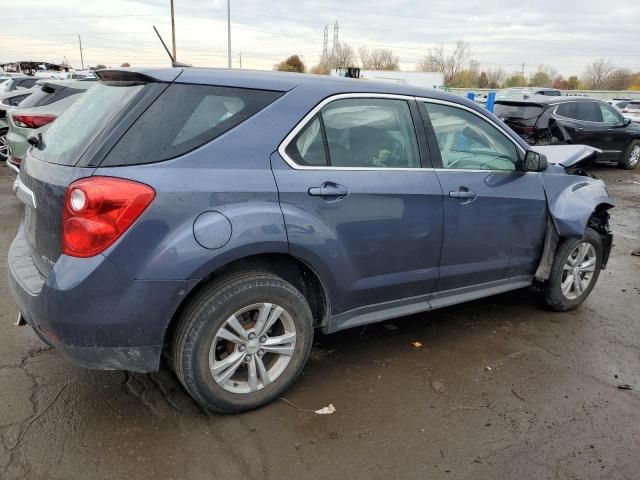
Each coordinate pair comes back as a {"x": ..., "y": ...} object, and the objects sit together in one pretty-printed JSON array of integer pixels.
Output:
[
  {"x": 584, "y": 111},
  {"x": 183, "y": 118},
  {"x": 370, "y": 133}
]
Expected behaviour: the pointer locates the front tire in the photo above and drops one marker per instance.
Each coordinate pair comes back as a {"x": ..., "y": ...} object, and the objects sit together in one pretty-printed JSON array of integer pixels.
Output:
[
  {"x": 242, "y": 341},
  {"x": 574, "y": 273},
  {"x": 631, "y": 156}
]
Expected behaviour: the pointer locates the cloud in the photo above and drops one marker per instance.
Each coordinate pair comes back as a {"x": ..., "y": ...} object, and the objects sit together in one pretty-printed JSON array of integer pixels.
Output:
[{"x": 564, "y": 35}]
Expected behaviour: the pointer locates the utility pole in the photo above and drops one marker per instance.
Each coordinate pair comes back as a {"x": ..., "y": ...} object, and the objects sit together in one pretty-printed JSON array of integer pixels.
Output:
[
  {"x": 229, "y": 32},
  {"x": 173, "y": 32},
  {"x": 240, "y": 55},
  {"x": 81, "y": 57},
  {"x": 523, "y": 74}
]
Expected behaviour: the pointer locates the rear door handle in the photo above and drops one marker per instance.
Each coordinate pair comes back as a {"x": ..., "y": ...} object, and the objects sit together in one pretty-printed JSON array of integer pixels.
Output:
[
  {"x": 464, "y": 194},
  {"x": 329, "y": 189}
]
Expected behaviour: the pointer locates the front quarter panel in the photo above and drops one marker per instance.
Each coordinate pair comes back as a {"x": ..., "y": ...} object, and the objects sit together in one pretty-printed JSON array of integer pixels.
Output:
[{"x": 572, "y": 199}]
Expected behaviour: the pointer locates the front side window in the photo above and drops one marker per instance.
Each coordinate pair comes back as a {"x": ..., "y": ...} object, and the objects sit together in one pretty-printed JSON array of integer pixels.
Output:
[
  {"x": 609, "y": 115},
  {"x": 468, "y": 142},
  {"x": 358, "y": 133}
]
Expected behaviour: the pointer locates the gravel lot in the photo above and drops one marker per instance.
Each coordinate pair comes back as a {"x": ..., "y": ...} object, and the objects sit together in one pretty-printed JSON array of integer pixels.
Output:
[{"x": 524, "y": 393}]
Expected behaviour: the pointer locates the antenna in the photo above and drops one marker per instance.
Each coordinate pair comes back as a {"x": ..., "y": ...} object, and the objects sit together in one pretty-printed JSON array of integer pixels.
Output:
[{"x": 174, "y": 63}]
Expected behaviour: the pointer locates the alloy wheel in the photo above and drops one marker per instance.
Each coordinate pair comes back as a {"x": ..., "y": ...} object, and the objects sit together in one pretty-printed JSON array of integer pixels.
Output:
[
  {"x": 634, "y": 156},
  {"x": 252, "y": 348},
  {"x": 4, "y": 147},
  {"x": 578, "y": 271}
]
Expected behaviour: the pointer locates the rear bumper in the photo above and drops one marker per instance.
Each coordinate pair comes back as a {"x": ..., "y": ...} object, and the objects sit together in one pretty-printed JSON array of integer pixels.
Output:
[{"x": 93, "y": 313}]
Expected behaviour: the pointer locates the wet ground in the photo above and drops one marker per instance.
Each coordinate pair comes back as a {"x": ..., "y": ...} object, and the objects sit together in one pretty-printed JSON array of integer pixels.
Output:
[{"x": 496, "y": 388}]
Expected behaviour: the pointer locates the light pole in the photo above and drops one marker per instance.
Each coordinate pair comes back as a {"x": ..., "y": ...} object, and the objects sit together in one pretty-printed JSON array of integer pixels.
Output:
[
  {"x": 173, "y": 32},
  {"x": 229, "y": 32}
]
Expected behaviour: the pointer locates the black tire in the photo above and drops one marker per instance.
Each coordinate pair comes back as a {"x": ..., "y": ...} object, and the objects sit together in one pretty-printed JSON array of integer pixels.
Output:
[
  {"x": 208, "y": 312},
  {"x": 630, "y": 160},
  {"x": 552, "y": 294}
]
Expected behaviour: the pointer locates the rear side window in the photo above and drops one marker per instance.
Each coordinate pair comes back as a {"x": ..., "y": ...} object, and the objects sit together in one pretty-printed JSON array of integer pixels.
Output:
[
  {"x": 584, "y": 111},
  {"x": 308, "y": 149},
  {"x": 183, "y": 118}
]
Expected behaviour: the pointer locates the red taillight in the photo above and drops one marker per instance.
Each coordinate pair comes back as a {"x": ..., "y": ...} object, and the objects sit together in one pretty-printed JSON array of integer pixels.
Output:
[
  {"x": 32, "y": 121},
  {"x": 528, "y": 130},
  {"x": 625, "y": 111},
  {"x": 98, "y": 210}
]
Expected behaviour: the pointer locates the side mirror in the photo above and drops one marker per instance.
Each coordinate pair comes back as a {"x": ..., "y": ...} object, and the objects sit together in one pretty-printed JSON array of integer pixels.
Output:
[
  {"x": 35, "y": 139},
  {"x": 626, "y": 122},
  {"x": 535, "y": 162}
]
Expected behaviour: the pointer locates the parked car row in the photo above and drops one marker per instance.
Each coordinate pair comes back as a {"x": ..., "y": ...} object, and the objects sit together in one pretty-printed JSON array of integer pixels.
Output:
[
  {"x": 220, "y": 217},
  {"x": 26, "y": 113}
]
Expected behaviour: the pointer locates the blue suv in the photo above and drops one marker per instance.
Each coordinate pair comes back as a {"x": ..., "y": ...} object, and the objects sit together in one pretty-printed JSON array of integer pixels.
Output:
[{"x": 219, "y": 217}]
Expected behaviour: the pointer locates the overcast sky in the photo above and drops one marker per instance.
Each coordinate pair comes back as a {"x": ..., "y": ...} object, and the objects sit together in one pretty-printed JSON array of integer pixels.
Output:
[{"x": 564, "y": 34}]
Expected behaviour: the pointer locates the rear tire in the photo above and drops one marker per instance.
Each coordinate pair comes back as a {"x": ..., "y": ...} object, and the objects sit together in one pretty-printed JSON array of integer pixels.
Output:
[
  {"x": 574, "y": 273},
  {"x": 242, "y": 341},
  {"x": 631, "y": 156}
]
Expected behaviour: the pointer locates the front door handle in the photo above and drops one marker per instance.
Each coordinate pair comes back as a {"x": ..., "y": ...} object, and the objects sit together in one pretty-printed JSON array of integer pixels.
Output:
[
  {"x": 464, "y": 194},
  {"x": 329, "y": 189}
]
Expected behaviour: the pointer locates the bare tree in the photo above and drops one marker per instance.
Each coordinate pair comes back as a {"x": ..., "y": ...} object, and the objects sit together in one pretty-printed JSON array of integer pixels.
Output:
[
  {"x": 438, "y": 60},
  {"x": 342, "y": 56},
  {"x": 597, "y": 74},
  {"x": 378, "y": 59},
  {"x": 495, "y": 77},
  {"x": 620, "y": 79}
]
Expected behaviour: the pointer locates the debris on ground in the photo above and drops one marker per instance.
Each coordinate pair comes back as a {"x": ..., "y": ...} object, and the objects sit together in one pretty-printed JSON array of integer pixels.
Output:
[
  {"x": 390, "y": 327},
  {"x": 488, "y": 369},
  {"x": 438, "y": 386},
  {"x": 625, "y": 386},
  {"x": 516, "y": 395},
  {"x": 416, "y": 344},
  {"x": 636, "y": 252},
  {"x": 328, "y": 410}
]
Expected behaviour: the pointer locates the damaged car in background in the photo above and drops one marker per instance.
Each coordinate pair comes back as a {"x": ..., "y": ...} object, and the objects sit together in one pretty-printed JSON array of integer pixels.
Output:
[
  {"x": 220, "y": 218},
  {"x": 575, "y": 120}
]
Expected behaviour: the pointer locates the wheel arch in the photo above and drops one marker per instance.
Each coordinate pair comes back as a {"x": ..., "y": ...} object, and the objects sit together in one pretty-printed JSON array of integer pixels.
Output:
[
  {"x": 597, "y": 220},
  {"x": 289, "y": 268}
]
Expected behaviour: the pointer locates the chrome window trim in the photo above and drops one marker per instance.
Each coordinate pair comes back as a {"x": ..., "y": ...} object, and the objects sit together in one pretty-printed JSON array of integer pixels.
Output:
[
  {"x": 307, "y": 118},
  {"x": 555, "y": 112}
]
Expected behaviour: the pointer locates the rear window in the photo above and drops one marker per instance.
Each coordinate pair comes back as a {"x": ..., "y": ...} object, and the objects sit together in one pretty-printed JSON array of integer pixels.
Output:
[
  {"x": 183, "y": 118},
  {"x": 73, "y": 131},
  {"x": 48, "y": 95},
  {"x": 517, "y": 111}
]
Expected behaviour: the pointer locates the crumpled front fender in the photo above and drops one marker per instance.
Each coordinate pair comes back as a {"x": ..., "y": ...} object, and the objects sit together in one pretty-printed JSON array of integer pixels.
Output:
[{"x": 572, "y": 199}]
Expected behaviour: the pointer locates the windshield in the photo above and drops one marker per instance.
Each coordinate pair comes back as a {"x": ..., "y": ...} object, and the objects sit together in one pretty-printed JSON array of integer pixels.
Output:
[
  {"x": 4, "y": 85},
  {"x": 74, "y": 131}
]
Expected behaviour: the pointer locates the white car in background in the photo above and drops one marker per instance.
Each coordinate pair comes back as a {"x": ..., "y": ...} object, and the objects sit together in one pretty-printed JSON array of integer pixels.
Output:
[{"x": 632, "y": 111}]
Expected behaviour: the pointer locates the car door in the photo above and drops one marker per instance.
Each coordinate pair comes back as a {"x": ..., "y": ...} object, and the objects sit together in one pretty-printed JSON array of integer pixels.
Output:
[
  {"x": 583, "y": 122},
  {"x": 617, "y": 137},
  {"x": 494, "y": 213},
  {"x": 358, "y": 203}
]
